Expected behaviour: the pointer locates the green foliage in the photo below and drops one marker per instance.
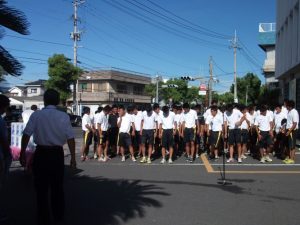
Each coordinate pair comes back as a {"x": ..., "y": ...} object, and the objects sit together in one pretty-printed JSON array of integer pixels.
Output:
[
  {"x": 14, "y": 20},
  {"x": 253, "y": 83},
  {"x": 225, "y": 98},
  {"x": 62, "y": 74},
  {"x": 269, "y": 97},
  {"x": 180, "y": 94}
]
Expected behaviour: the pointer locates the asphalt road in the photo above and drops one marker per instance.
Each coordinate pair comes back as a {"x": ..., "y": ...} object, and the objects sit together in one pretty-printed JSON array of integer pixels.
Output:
[{"x": 182, "y": 194}]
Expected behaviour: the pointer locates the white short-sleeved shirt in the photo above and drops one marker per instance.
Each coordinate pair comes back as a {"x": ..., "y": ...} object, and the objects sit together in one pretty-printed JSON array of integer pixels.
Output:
[
  {"x": 215, "y": 122},
  {"x": 127, "y": 120},
  {"x": 102, "y": 119},
  {"x": 292, "y": 117},
  {"x": 167, "y": 122},
  {"x": 96, "y": 118},
  {"x": 26, "y": 115},
  {"x": 251, "y": 118},
  {"x": 137, "y": 120},
  {"x": 190, "y": 119},
  {"x": 263, "y": 122},
  {"x": 149, "y": 121},
  {"x": 284, "y": 111},
  {"x": 244, "y": 124},
  {"x": 177, "y": 119},
  {"x": 86, "y": 120},
  {"x": 233, "y": 118},
  {"x": 278, "y": 117},
  {"x": 49, "y": 127}
]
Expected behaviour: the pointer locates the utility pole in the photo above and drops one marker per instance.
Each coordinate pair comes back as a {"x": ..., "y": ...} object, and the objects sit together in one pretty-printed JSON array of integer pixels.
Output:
[
  {"x": 235, "y": 47},
  {"x": 75, "y": 36},
  {"x": 156, "y": 97},
  {"x": 210, "y": 81}
]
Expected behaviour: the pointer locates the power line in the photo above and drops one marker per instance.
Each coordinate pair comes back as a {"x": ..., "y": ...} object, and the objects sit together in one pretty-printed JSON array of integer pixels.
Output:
[
  {"x": 36, "y": 40},
  {"x": 160, "y": 25},
  {"x": 189, "y": 22}
]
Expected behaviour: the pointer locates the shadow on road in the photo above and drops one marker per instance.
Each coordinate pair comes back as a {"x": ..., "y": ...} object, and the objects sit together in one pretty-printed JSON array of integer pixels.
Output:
[{"x": 89, "y": 200}]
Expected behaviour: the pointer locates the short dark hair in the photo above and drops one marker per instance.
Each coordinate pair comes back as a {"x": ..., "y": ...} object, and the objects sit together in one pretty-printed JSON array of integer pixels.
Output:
[
  {"x": 155, "y": 106},
  {"x": 106, "y": 108},
  {"x": 51, "y": 97},
  {"x": 4, "y": 101},
  {"x": 214, "y": 108},
  {"x": 86, "y": 110},
  {"x": 33, "y": 107},
  {"x": 165, "y": 109},
  {"x": 121, "y": 107},
  {"x": 148, "y": 108},
  {"x": 291, "y": 104},
  {"x": 114, "y": 106},
  {"x": 263, "y": 108},
  {"x": 186, "y": 105}
]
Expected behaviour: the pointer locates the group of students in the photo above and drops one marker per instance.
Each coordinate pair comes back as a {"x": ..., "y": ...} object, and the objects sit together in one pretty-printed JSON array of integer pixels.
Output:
[{"x": 169, "y": 132}]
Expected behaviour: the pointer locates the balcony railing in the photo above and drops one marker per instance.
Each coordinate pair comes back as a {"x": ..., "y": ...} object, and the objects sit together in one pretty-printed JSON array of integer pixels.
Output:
[{"x": 267, "y": 27}]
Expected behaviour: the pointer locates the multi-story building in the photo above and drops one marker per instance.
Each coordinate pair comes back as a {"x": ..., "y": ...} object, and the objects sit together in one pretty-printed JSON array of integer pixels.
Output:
[
  {"x": 35, "y": 88},
  {"x": 288, "y": 49},
  {"x": 266, "y": 40},
  {"x": 112, "y": 86}
]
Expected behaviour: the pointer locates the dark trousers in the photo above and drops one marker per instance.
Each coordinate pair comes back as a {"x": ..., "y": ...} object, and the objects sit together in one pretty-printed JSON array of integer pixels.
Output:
[{"x": 48, "y": 172}]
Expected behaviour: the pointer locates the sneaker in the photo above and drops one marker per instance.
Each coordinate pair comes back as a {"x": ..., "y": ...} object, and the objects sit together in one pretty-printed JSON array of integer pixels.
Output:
[
  {"x": 217, "y": 158},
  {"x": 191, "y": 160},
  {"x": 82, "y": 158},
  {"x": 163, "y": 161},
  {"x": 240, "y": 160},
  {"x": 268, "y": 159},
  {"x": 148, "y": 161},
  {"x": 170, "y": 161},
  {"x": 197, "y": 156},
  {"x": 262, "y": 160},
  {"x": 143, "y": 160},
  {"x": 123, "y": 159},
  {"x": 290, "y": 161},
  {"x": 95, "y": 156},
  {"x": 167, "y": 152},
  {"x": 230, "y": 160},
  {"x": 100, "y": 159},
  {"x": 105, "y": 159},
  {"x": 133, "y": 159},
  {"x": 286, "y": 159},
  {"x": 243, "y": 157}
]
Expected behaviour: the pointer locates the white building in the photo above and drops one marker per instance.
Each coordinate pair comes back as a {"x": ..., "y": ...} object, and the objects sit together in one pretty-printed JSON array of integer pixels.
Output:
[
  {"x": 19, "y": 91},
  {"x": 35, "y": 88},
  {"x": 288, "y": 49}
]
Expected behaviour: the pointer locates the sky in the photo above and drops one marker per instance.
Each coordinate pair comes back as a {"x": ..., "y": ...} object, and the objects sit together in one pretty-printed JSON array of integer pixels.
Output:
[{"x": 165, "y": 37}]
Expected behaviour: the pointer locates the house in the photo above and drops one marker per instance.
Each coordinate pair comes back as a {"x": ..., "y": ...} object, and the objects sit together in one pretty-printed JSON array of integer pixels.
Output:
[
  {"x": 24, "y": 103},
  {"x": 35, "y": 88},
  {"x": 112, "y": 86},
  {"x": 19, "y": 91}
]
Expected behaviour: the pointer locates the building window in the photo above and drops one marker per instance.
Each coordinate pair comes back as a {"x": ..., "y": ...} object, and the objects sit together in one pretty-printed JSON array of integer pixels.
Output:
[
  {"x": 121, "y": 88},
  {"x": 98, "y": 87},
  {"x": 33, "y": 90},
  {"x": 138, "y": 90},
  {"x": 82, "y": 87}
]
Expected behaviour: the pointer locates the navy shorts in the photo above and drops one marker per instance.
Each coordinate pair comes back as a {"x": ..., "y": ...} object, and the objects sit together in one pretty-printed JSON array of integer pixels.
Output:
[
  {"x": 292, "y": 140},
  {"x": 148, "y": 137},
  {"x": 87, "y": 137},
  {"x": 266, "y": 139},
  {"x": 215, "y": 138},
  {"x": 234, "y": 136},
  {"x": 167, "y": 140},
  {"x": 124, "y": 140},
  {"x": 103, "y": 138},
  {"x": 244, "y": 136},
  {"x": 189, "y": 135}
]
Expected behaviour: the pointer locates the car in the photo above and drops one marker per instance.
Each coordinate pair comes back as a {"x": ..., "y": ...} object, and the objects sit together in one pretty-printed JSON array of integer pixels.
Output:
[{"x": 75, "y": 120}]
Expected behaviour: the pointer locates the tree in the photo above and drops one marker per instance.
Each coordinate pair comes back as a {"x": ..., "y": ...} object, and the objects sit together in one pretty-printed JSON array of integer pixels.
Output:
[
  {"x": 62, "y": 74},
  {"x": 251, "y": 83},
  {"x": 226, "y": 98},
  {"x": 14, "y": 20},
  {"x": 269, "y": 97}
]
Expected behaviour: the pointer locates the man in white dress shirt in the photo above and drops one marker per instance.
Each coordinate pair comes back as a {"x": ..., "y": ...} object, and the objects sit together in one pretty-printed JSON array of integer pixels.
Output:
[
  {"x": 102, "y": 128},
  {"x": 51, "y": 129}
]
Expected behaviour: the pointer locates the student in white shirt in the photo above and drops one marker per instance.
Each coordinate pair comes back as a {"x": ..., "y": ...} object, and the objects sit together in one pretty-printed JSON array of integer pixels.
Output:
[
  {"x": 263, "y": 125},
  {"x": 214, "y": 126},
  {"x": 291, "y": 133},
  {"x": 102, "y": 133},
  {"x": 278, "y": 117},
  {"x": 233, "y": 119},
  {"x": 87, "y": 128},
  {"x": 245, "y": 127},
  {"x": 138, "y": 116},
  {"x": 166, "y": 133},
  {"x": 190, "y": 124},
  {"x": 147, "y": 131},
  {"x": 177, "y": 138},
  {"x": 157, "y": 141},
  {"x": 125, "y": 122}
]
